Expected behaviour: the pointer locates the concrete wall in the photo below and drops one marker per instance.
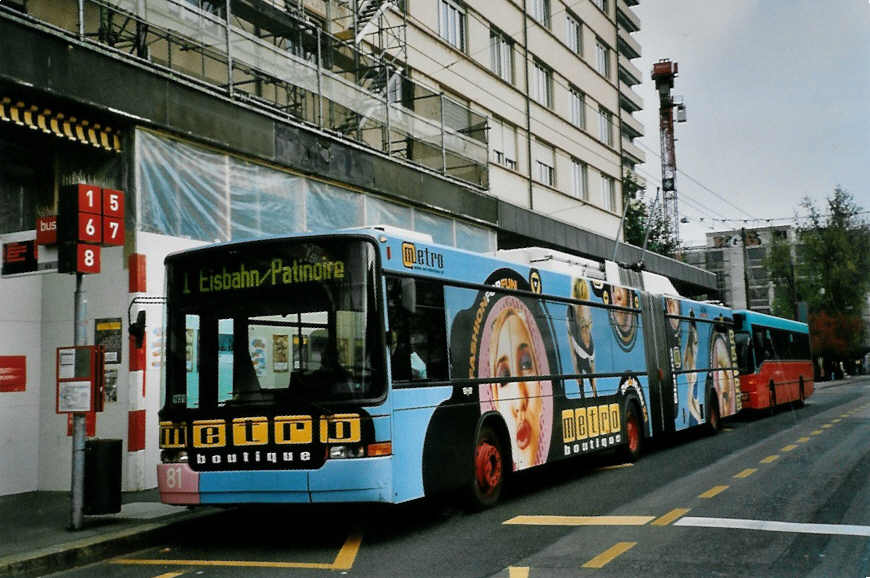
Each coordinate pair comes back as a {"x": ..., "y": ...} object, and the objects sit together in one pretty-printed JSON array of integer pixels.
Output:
[{"x": 20, "y": 311}]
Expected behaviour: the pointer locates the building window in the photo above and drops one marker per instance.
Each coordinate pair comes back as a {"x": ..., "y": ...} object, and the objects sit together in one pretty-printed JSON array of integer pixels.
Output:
[
  {"x": 605, "y": 126},
  {"x": 545, "y": 164},
  {"x": 452, "y": 23},
  {"x": 602, "y": 5},
  {"x": 574, "y": 34},
  {"x": 501, "y": 52},
  {"x": 602, "y": 58},
  {"x": 608, "y": 193},
  {"x": 503, "y": 143},
  {"x": 579, "y": 179},
  {"x": 541, "y": 11},
  {"x": 578, "y": 108},
  {"x": 542, "y": 82}
]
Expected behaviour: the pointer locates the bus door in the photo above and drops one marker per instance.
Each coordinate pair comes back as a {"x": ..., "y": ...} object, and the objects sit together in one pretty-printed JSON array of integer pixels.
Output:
[{"x": 661, "y": 379}]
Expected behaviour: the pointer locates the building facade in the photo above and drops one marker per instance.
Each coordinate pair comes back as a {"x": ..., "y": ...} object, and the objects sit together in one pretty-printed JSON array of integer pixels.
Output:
[{"x": 485, "y": 124}]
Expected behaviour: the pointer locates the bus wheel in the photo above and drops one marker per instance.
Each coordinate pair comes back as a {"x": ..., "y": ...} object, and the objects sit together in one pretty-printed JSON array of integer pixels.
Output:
[
  {"x": 714, "y": 421},
  {"x": 633, "y": 434},
  {"x": 488, "y": 474},
  {"x": 801, "y": 394},
  {"x": 772, "y": 408}
]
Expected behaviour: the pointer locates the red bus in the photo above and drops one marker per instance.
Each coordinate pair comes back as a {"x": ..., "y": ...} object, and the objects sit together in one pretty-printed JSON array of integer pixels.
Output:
[{"x": 774, "y": 358}]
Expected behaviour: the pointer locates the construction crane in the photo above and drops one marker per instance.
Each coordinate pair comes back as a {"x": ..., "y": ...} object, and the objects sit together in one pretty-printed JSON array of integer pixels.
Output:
[{"x": 663, "y": 73}]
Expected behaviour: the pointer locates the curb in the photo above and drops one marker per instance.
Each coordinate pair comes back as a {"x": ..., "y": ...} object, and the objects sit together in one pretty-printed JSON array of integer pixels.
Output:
[{"x": 95, "y": 548}]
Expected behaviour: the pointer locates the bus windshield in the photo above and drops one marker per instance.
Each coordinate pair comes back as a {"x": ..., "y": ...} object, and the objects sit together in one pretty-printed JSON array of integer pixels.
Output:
[
  {"x": 270, "y": 322},
  {"x": 745, "y": 357}
]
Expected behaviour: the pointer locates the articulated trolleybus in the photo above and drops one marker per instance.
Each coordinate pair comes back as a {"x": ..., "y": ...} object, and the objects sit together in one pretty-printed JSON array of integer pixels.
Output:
[
  {"x": 774, "y": 359},
  {"x": 367, "y": 365}
]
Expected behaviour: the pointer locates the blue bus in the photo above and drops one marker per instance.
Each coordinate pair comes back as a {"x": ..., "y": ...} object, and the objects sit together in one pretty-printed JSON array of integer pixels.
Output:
[{"x": 374, "y": 365}]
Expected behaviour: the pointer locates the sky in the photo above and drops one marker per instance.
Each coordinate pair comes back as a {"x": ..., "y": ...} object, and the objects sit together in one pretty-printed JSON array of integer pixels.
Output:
[{"x": 777, "y": 95}]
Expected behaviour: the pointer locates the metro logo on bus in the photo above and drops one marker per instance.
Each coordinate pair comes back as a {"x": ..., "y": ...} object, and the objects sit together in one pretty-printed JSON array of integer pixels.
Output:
[
  {"x": 173, "y": 435},
  {"x": 254, "y": 431},
  {"x": 589, "y": 428},
  {"x": 425, "y": 258}
]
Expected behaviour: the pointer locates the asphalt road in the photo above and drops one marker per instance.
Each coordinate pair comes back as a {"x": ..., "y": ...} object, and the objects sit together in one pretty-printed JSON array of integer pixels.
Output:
[{"x": 771, "y": 495}]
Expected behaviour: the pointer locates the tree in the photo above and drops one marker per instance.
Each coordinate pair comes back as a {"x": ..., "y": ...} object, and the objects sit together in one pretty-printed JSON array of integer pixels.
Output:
[
  {"x": 641, "y": 216},
  {"x": 781, "y": 270},
  {"x": 829, "y": 273}
]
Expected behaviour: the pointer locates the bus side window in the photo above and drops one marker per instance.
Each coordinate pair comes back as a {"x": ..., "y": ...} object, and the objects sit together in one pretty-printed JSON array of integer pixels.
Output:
[
  {"x": 399, "y": 339},
  {"x": 418, "y": 346},
  {"x": 762, "y": 350}
]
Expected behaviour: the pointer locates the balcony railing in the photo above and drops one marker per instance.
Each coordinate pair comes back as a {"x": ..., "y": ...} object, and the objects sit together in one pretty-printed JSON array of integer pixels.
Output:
[
  {"x": 284, "y": 63},
  {"x": 629, "y": 99}
]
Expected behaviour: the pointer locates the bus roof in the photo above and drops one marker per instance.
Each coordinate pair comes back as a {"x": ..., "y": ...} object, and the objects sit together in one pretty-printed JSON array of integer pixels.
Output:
[
  {"x": 764, "y": 320},
  {"x": 399, "y": 240}
]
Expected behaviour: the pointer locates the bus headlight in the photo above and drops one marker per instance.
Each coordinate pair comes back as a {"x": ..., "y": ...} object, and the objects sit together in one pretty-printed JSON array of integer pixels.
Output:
[
  {"x": 173, "y": 456},
  {"x": 342, "y": 451}
]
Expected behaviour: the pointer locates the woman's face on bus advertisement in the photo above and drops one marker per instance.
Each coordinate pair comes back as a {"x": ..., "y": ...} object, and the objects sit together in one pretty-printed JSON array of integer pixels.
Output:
[
  {"x": 673, "y": 309},
  {"x": 723, "y": 378},
  {"x": 582, "y": 326},
  {"x": 690, "y": 354},
  {"x": 622, "y": 318},
  {"x": 518, "y": 401}
]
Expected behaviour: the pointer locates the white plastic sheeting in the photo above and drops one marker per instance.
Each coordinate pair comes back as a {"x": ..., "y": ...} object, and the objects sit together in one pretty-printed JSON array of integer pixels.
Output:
[{"x": 197, "y": 193}]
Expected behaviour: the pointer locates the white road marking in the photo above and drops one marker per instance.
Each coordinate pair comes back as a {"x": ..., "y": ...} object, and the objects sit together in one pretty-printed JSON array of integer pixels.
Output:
[{"x": 769, "y": 526}]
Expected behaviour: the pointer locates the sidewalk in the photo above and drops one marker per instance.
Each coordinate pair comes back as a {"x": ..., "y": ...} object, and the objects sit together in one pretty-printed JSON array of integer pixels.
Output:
[
  {"x": 34, "y": 538},
  {"x": 33, "y": 526}
]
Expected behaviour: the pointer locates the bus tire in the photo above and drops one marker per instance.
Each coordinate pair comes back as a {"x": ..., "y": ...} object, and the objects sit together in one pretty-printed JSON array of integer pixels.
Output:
[
  {"x": 714, "y": 419},
  {"x": 633, "y": 433},
  {"x": 487, "y": 470},
  {"x": 801, "y": 393},
  {"x": 772, "y": 407}
]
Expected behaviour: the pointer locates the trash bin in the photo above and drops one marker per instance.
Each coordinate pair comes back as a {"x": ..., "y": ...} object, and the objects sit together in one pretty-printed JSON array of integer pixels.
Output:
[{"x": 102, "y": 477}]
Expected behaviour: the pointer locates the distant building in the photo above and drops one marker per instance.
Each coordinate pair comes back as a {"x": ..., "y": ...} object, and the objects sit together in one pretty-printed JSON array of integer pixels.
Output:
[{"x": 737, "y": 258}]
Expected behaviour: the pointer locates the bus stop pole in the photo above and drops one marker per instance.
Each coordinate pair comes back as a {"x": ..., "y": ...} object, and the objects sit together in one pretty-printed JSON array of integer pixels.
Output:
[{"x": 78, "y": 449}]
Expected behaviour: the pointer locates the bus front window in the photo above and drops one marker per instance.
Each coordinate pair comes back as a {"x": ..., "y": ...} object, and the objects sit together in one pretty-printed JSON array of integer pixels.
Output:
[
  {"x": 273, "y": 322},
  {"x": 745, "y": 355}
]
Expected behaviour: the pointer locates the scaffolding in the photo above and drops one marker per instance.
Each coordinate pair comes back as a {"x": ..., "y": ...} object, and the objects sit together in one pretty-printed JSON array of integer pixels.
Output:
[{"x": 339, "y": 65}]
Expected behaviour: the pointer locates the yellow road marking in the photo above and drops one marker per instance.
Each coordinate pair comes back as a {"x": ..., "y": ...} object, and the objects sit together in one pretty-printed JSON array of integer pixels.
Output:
[
  {"x": 343, "y": 561},
  {"x": 714, "y": 491},
  {"x": 169, "y": 575},
  {"x": 827, "y": 425},
  {"x": 616, "y": 466},
  {"x": 579, "y": 520},
  {"x": 602, "y": 559},
  {"x": 746, "y": 473},
  {"x": 803, "y": 439},
  {"x": 815, "y": 432},
  {"x": 838, "y": 420},
  {"x": 518, "y": 572},
  {"x": 788, "y": 448},
  {"x": 347, "y": 554},
  {"x": 226, "y": 563},
  {"x": 670, "y": 516},
  {"x": 770, "y": 459}
]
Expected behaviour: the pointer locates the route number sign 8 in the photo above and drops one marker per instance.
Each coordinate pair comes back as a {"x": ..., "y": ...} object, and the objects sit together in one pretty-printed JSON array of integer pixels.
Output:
[{"x": 88, "y": 258}]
